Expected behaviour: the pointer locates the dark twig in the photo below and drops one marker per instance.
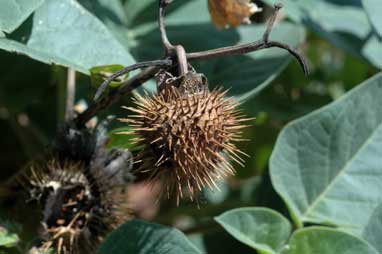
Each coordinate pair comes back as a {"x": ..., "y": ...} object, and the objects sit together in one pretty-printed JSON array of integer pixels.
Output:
[
  {"x": 162, "y": 28},
  {"x": 271, "y": 22},
  {"x": 70, "y": 94},
  {"x": 115, "y": 95},
  {"x": 251, "y": 47},
  {"x": 182, "y": 60},
  {"x": 247, "y": 48},
  {"x": 171, "y": 50},
  {"x": 130, "y": 68}
]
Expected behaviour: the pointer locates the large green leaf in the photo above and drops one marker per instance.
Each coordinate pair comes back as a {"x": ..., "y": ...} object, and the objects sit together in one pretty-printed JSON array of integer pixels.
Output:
[
  {"x": 140, "y": 237},
  {"x": 317, "y": 240},
  {"x": 15, "y": 12},
  {"x": 63, "y": 32},
  {"x": 261, "y": 228},
  {"x": 327, "y": 166},
  {"x": 374, "y": 10},
  {"x": 343, "y": 23}
]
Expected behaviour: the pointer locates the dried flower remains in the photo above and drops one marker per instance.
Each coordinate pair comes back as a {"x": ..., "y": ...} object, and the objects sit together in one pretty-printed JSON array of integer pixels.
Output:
[{"x": 226, "y": 13}]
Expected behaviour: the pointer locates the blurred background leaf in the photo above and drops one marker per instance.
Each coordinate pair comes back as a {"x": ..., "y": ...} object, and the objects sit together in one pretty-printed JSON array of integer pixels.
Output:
[
  {"x": 343, "y": 23},
  {"x": 373, "y": 9}
]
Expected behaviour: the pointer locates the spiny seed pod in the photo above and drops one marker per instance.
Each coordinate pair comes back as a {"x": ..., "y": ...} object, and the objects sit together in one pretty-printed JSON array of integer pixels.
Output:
[
  {"x": 80, "y": 205},
  {"x": 187, "y": 133}
]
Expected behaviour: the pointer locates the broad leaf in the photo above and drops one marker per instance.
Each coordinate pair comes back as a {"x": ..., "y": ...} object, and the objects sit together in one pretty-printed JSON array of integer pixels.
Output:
[
  {"x": 374, "y": 10},
  {"x": 140, "y": 237},
  {"x": 344, "y": 24},
  {"x": 15, "y": 12},
  {"x": 64, "y": 33},
  {"x": 263, "y": 229},
  {"x": 317, "y": 240},
  {"x": 327, "y": 166}
]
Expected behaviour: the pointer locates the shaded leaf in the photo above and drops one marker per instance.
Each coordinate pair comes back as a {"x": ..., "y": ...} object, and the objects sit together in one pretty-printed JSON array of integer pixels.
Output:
[
  {"x": 145, "y": 238},
  {"x": 15, "y": 12},
  {"x": 318, "y": 240},
  {"x": 261, "y": 228},
  {"x": 327, "y": 165},
  {"x": 64, "y": 33}
]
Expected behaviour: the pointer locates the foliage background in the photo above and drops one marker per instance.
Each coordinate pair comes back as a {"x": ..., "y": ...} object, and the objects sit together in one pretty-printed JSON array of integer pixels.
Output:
[{"x": 341, "y": 40}]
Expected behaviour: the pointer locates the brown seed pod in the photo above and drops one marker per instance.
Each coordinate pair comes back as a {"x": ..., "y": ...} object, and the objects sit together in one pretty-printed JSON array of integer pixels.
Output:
[
  {"x": 188, "y": 134},
  {"x": 80, "y": 206}
]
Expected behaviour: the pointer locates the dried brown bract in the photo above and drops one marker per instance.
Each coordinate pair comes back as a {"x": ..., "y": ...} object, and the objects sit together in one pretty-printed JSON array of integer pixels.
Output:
[
  {"x": 226, "y": 13},
  {"x": 188, "y": 134}
]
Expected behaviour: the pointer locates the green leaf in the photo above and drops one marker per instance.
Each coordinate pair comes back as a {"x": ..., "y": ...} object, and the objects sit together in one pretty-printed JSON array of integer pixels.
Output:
[
  {"x": 15, "y": 12},
  {"x": 6, "y": 239},
  {"x": 122, "y": 140},
  {"x": 261, "y": 228},
  {"x": 327, "y": 165},
  {"x": 318, "y": 240},
  {"x": 140, "y": 237},
  {"x": 344, "y": 24},
  {"x": 99, "y": 74},
  {"x": 374, "y": 10},
  {"x": 64, "y": 33}
]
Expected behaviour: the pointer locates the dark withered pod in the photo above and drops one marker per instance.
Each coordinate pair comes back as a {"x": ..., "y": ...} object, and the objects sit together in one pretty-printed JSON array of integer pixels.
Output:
[
  {"x": 80, "y": 187},
  {"x": 188, "y": 133}
]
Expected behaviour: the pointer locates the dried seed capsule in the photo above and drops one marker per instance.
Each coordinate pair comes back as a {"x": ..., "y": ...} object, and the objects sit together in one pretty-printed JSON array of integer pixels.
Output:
[
  {"x": 81, "y": 204},
  {"x": 188, "y": 134}
]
